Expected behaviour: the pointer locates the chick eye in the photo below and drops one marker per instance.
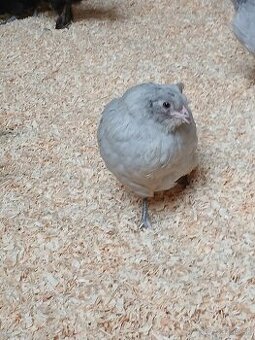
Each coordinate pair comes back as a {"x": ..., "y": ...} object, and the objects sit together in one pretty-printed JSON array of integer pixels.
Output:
[{"x": 166, "y": 105}]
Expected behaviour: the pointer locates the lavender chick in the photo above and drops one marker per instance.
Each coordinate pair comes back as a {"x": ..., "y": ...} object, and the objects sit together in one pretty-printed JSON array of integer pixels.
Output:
[
  {"x": 148, "y": 140},
  {"x": 244, "y": 23}
]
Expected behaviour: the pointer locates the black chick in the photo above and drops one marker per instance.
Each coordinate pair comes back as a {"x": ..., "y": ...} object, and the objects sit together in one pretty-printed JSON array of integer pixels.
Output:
[{"x": 22, "y": 8}]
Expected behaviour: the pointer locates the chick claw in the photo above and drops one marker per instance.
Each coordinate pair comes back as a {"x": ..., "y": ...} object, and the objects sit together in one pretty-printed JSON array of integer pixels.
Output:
[{"x": 183, "y": 181}]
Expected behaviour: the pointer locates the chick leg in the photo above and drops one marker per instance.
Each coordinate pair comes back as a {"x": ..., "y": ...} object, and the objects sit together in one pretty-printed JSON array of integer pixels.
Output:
[
  {"x": 66, "y": 16},
  {"x": 145, "y": 221}
]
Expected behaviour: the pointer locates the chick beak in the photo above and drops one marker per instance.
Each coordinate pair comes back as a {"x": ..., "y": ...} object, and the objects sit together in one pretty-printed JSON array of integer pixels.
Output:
[{"x": 183, "y": 114}]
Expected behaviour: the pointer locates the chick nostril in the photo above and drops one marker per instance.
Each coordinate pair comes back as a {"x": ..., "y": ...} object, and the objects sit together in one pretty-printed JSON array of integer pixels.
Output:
[{"x": 185, "y": 111}]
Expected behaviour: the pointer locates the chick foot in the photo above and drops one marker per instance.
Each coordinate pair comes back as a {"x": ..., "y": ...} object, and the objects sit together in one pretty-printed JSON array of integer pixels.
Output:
[
  {"x": 7, "y": 21},
  {"x": 184, "y": 181}
]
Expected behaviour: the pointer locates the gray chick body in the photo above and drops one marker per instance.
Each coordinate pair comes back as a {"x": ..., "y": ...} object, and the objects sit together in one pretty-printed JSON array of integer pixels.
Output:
[
  {"x": 244, "y": 23},
  {"x": 144, "y": 150}
]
